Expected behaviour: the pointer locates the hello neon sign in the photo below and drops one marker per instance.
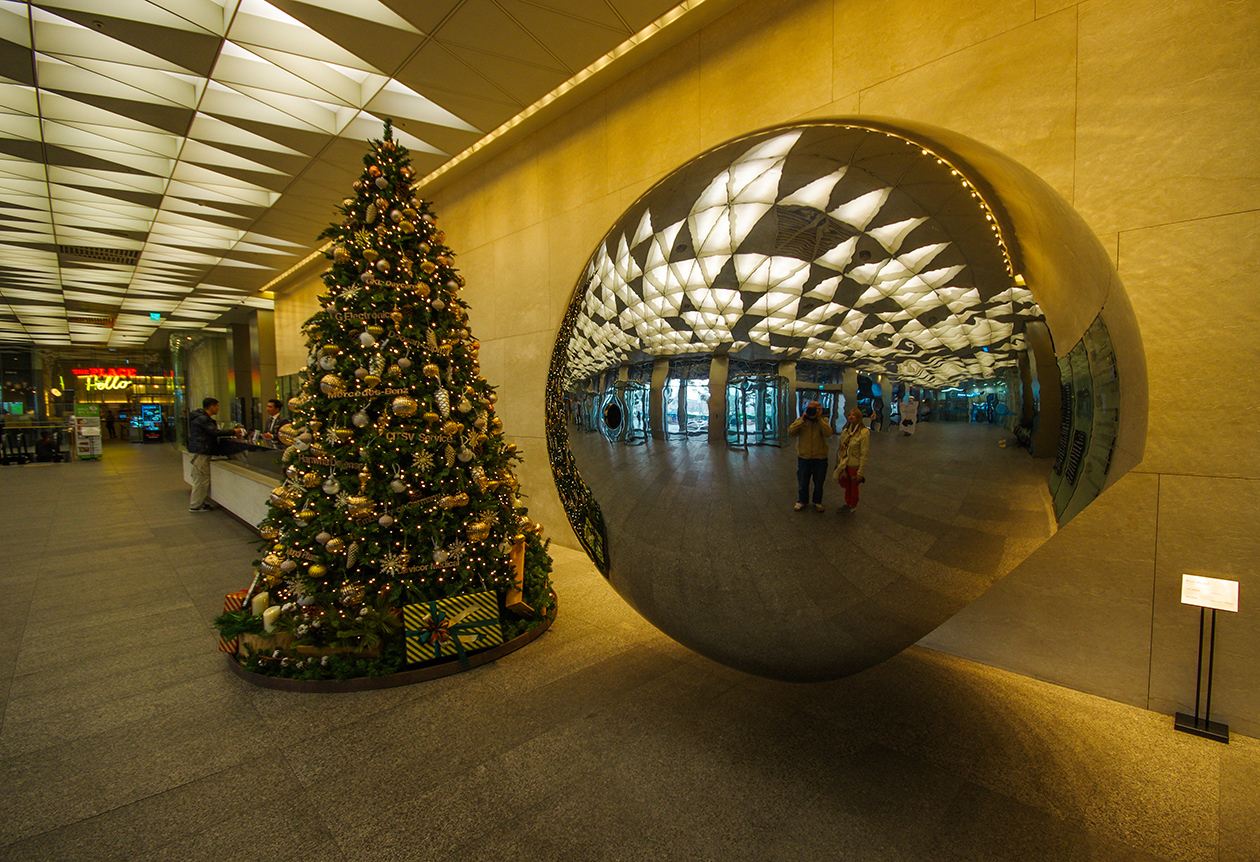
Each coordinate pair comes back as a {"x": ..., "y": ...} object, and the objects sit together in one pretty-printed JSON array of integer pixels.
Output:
[{"x": 102, "y": 379}]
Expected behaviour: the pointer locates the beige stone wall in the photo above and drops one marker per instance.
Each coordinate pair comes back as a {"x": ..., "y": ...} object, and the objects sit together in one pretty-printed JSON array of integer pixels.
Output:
[
  {"x": 1142, "y": 113},
  {"x": 295, "y": 303}
]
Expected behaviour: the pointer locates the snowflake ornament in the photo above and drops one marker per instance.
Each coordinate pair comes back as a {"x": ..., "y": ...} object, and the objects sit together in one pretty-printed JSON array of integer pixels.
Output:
[
  {"x": 393, "y": 564},
  {"x": 422, "y": 460}
]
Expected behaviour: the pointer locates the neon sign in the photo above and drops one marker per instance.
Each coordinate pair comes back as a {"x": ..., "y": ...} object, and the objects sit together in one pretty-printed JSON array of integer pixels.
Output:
[{"x": 105, "y": 378}]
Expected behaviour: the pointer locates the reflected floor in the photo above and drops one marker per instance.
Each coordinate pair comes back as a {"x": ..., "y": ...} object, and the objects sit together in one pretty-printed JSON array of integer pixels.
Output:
[{"x": 693, "y": 526}]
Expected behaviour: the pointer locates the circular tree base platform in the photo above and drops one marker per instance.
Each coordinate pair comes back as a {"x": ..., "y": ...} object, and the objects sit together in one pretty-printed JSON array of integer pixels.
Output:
[{"x": 405, "y": 677}]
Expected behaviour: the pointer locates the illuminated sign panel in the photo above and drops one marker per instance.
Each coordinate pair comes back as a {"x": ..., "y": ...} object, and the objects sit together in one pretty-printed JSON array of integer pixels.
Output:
[{"x": 105, "y": 378}]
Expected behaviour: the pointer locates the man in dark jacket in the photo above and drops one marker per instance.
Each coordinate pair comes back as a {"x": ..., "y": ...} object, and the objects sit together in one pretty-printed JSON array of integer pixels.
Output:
[{"x": 203, "y": 436}]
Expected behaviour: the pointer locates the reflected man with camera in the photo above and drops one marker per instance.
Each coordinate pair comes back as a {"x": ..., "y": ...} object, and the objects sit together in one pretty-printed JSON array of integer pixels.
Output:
[{"x": 811, "y": 431}]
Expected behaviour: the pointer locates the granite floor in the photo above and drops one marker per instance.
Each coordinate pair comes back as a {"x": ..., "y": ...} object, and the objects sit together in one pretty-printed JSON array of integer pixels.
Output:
[{"x": 124, "y": 735}]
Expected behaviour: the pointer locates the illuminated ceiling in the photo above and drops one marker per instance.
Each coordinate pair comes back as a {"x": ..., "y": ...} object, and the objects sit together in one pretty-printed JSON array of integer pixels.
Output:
[
  {"x": 163, "y": 160},
  {"x": 825, "y": 243}
]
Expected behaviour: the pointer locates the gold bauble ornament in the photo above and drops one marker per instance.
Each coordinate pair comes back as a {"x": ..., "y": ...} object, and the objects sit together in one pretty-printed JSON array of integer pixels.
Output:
[
  {"x": 428, "y": 267},
  {"x": 343, "y": 434},
  {"x": 287, "y": 433},
  {"x": 422, "y": 289},
  {"x": 478, "y": 531},
  {"x": 292, "y": 471},
  {"x": 404, "y": 406},
  {"x": 332, "y": 385},
  {"x": 335, "y": 545},
  {"x": 396, "y": 316},
  {"x": 317, "y": 571},
  {"x": 280, "y": 499},
  {"x": 376, "y": 330},
  {"x": 431, "y": 370},
  {"x": 394, "y": 370},
  {"x": 341, "y": 255},
  {"x": 310, "y": 480},
  {"x": 269, "y": 532},
  {"x": 296, "y": 402},
  {"x": 306, "y": 515},
  {"x": 370, "y": 254},
  {"x": 371, "y": 381},
  {"x": 352, "y": 594},
  {"x": 452, "y": 428},
  {"x": 432, "y": 417},
  {"x": 496, "y": 425},
  {"x": 454, "y": 501}
]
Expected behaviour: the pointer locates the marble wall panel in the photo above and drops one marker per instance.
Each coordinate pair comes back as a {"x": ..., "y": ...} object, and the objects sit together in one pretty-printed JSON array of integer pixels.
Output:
[
  {"x": 293, "y": 307},
  {"x": 1167, "y": 102},
  {"x": 992, "y": 92},
  {"x": 761, "y": 64},
  {"x": 1207, "y": 526},
  {"x": 1193, "y": 287},
  {"x": 876, "y": 41},
  {"x": 522, "y": 299},
  {"x": 1077, "y": 611},
  {"x": 653, "y": 122}
]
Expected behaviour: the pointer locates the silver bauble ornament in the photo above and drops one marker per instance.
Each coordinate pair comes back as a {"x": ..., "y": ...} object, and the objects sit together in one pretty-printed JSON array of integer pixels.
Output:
[
  {"x": 323, "y": 538},
  {"x": 465, "y": 455},
  {"x": 398, "y": 486},
  {"x": 385, "y": 520},
  {"x": 361, "y": 419},
  {"x": 367, "y": 339},
  {"x": 331, "y": 487}
]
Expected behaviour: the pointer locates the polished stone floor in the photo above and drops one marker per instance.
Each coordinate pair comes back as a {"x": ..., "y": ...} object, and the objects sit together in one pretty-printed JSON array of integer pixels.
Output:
[{"x": 124, "y": 737}]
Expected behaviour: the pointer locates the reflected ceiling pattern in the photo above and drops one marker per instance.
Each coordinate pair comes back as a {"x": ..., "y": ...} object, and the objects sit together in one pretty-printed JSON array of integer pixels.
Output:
[
  {"x": 829, "y": 244},
  {"x": 163, "y": 160}
]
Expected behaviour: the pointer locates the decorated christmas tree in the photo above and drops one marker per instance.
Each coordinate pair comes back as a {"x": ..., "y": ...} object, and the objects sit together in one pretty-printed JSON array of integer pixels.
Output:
[{"x": 399, "y": 536}]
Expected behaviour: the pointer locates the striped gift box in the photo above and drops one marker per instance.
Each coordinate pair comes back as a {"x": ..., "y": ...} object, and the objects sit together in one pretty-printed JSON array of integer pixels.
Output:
[
  {"x": 452, "y": 627},
  {"x": 232, "y": 602}
]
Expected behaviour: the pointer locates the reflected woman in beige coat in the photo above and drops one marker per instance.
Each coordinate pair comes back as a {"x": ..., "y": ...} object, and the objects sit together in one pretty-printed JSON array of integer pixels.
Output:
[{"x": 855, "y": 445}]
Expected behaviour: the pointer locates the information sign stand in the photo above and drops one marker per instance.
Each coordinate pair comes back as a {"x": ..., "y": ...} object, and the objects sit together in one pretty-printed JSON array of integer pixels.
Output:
[
  {"x": 1215, "y": 594},
  {"x": 87, "y": 432}
]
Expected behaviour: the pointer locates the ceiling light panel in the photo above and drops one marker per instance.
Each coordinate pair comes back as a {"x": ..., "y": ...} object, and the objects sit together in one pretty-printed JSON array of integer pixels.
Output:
[{"x": 174, "y": 127}]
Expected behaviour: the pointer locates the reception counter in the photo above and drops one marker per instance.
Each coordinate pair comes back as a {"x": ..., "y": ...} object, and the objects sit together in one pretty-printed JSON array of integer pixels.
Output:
[{"x": 241, "y": 484}]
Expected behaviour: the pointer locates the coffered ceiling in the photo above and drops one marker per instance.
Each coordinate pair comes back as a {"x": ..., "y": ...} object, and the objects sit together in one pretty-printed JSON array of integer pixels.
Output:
[{"x": 161, "y": 161}]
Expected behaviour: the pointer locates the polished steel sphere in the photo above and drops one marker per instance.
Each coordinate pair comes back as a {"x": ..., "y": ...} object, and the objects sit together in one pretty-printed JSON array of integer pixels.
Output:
[{"x": 939, "y": 288}]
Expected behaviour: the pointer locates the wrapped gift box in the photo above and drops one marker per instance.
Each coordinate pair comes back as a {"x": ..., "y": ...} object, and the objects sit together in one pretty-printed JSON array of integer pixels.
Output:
[
  {"x": 452, "y": 627},
  {"x": 232, "y": 602}
]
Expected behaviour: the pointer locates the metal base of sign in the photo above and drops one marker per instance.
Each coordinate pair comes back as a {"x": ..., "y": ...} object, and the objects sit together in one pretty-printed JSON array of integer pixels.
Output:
[{"x": 1213, "y": 730}]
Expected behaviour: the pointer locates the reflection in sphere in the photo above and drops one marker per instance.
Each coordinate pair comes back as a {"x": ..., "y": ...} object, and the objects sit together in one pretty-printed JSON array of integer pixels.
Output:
[{"x": 850, "y": 266}]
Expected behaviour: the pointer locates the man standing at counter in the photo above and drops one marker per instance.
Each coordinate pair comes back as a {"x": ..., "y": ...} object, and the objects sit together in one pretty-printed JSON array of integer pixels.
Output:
[
  {"x": 203, "y": 441},
  {"x": 274, "y": 420}
]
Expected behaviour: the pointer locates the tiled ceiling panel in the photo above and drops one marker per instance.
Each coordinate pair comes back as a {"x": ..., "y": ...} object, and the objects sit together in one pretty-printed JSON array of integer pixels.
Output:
[{"x": 175, "y": 156}]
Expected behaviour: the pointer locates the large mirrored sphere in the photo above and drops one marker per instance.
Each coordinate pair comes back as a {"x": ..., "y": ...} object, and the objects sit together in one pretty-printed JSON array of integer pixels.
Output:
[{"x": 848, "y": 266}]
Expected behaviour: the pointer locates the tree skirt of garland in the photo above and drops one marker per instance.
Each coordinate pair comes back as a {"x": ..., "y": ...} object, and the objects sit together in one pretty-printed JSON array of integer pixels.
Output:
[{"x": 368, "y": 675}]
